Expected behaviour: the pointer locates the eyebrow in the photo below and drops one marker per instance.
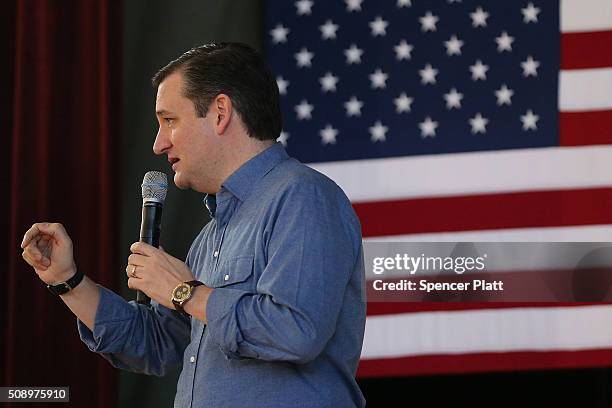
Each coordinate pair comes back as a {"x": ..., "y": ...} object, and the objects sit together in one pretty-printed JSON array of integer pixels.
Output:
[{"x": 162, "y": 112}]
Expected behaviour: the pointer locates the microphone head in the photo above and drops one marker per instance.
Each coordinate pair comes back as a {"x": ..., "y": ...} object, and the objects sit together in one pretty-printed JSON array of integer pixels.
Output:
[{"x": 154, "y": 187}]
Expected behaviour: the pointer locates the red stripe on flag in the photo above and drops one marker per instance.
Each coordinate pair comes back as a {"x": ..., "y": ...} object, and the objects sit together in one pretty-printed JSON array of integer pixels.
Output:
[
  {"x": 483, "y": 362},
  {"x": 390, "y": 308},
  {"x": 586, "y": 50},
  {"x": 482, "y": 212},
  {"x": 585, "y": 128}
]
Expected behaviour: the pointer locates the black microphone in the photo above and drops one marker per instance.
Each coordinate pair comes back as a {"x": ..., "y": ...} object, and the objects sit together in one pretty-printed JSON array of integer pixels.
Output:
[{"x": 154, "y": 188}]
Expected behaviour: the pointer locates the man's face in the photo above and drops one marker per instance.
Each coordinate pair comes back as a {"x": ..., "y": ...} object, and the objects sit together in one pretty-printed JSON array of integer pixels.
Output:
[{"x": 189, "y": 141}]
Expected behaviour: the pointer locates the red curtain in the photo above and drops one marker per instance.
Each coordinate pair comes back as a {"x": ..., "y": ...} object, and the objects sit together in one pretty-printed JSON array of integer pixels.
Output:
[{"x": 60, "y": 90}]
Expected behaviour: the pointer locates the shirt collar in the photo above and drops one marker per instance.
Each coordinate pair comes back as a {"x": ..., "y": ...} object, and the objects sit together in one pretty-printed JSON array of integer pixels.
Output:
[{"x": 241, "y": 182}]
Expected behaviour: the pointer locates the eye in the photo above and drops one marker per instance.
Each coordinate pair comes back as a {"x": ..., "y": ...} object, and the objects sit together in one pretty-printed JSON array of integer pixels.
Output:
[{"x": 169, "y": 121}]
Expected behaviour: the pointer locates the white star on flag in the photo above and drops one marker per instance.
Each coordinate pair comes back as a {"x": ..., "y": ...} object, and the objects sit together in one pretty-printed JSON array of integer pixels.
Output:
[
  {"x": 453, "y": 99},
  {"x": 283, "y": 138},
  {"x": 328, "y": 30},
  {"x": 428, "y": 127},
  {"x": 353, "y": 5},
  {"x": 279, "y": 34},
  {"x": 404, "y": 3},
  {"x": 479, "y": 124},
  {"x": 530, "y": 14},
  {"x": 504, "y": 42},
  {"x": 479, "y": 18},
  {"x": 378, "y": 79},
  {"x": 353, "y": 107},
  {"x": 378, "y": 26},
  {"x": 529, "y": 120},
  {"x": 530, "y": 67},
  {"x": 479, "y": 71},
  {"x": 303, "y": 7},
  {"x": 282, "y": 85},
  {"x": 304, "y": 110},
  {"x": 428, "y": 74},
  {"x": 378, "y": 132},
  {"x": 328, "y": 135},
  {"x": 403, "y": 50},
  {"x": 328, "y": 82},
  {"x": 403, "y": 103},
  {"x": 453, "y": 46},
  {"x": 428, "y": 22},
  {"x": 353, "y": 54},
  {"x": 503, "y": 95},
  {"x": 304, "y": 58}
]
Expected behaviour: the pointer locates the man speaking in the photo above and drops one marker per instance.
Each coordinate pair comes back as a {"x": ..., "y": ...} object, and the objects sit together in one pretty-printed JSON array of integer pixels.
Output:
[{"x": 269, "y": 308}]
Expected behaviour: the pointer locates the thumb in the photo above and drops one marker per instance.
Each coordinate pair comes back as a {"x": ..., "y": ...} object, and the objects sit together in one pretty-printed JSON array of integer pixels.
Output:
[
  {"x": 37, "y": 230},
  {"x": 54, "y": 230},
  {"x": 165, "y": 254},
  {"x": 173, "y": 261}
]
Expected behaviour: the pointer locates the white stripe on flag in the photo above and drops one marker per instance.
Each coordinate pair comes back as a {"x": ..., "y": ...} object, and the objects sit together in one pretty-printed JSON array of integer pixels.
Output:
[
  {"x": 588, "y": 233},
  {"x": 471, "y": 173},
  {"x": 585, "y": 89},
  {"x": 497, "y": 330},
  {"x": 585, "y": 15}
]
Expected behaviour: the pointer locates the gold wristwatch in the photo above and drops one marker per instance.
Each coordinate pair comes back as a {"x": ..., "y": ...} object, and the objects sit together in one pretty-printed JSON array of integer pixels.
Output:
[{"x": 182, "y": 293}]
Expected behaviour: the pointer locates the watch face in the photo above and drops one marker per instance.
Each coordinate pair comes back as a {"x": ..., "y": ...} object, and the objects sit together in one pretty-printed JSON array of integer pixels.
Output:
[{"x": 181, "y": 292}]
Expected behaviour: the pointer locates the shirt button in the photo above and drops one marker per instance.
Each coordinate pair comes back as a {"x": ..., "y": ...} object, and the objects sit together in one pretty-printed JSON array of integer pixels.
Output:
[
  {"x": 226, "y": 277},
  {"x": 216, "y": 254},
  {"x": 192, "y": 359}
]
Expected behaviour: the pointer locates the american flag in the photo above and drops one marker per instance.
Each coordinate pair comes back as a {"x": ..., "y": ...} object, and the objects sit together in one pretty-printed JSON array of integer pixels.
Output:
[{"x": 459, "y": 120}]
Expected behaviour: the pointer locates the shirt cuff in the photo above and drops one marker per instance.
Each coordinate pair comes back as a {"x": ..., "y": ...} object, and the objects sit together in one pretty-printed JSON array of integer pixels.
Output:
[
  {"x": 108, "y": 335},
  {"x": 221, "y": 314}
]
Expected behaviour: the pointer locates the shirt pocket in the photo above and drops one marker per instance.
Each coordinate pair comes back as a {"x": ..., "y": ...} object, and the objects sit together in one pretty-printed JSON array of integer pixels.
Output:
[{"x": 236, "y": 273}]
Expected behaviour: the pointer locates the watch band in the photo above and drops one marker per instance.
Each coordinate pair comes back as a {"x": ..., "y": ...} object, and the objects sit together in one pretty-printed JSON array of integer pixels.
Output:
[
  {"x": 67, "y": 286},
  {"x": 179, "y": 305}
]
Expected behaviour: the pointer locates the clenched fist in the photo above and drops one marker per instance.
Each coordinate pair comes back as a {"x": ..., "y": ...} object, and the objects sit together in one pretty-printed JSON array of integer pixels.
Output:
[{"x": 48, "y": 249}]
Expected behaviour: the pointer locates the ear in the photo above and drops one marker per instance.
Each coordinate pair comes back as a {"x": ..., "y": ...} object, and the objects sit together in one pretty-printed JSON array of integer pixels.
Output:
[{"x": 222, "y": 111}]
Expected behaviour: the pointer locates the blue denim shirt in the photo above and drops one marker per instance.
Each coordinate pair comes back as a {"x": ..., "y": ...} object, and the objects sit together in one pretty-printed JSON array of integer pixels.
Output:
[{"x": 287, "y": 315}]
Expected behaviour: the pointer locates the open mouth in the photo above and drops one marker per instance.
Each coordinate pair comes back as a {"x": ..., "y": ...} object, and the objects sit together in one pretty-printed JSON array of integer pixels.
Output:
[{"x": 173, "y": 161}]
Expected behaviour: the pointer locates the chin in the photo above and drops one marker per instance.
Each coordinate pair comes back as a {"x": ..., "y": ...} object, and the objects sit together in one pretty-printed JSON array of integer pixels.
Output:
[{"x": 179, "y": 182}]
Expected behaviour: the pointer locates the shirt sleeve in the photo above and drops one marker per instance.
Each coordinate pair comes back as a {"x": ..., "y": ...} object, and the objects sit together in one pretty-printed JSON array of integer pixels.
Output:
[
  {"x": 313, "y": 247},
  {"x": 134, "y": 337}
]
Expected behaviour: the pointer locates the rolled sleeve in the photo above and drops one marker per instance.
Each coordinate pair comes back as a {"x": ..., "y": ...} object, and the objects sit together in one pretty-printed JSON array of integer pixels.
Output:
[
  {"x": 222, "y": 322},
  {"x": 135, "y": 337},
  {"x": 112, "y": 315}
]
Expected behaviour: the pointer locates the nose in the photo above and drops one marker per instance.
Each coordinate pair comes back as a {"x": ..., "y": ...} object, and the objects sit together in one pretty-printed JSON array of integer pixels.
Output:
[{"x": 162, "y": 142}]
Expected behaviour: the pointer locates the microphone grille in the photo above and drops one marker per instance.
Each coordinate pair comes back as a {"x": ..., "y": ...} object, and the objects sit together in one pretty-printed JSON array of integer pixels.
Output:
[{"x": 154, "y": 186}]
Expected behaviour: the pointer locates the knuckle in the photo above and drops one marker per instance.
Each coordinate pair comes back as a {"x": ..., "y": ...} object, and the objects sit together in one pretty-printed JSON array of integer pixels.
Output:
[{"x": 27, "y": 259}]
